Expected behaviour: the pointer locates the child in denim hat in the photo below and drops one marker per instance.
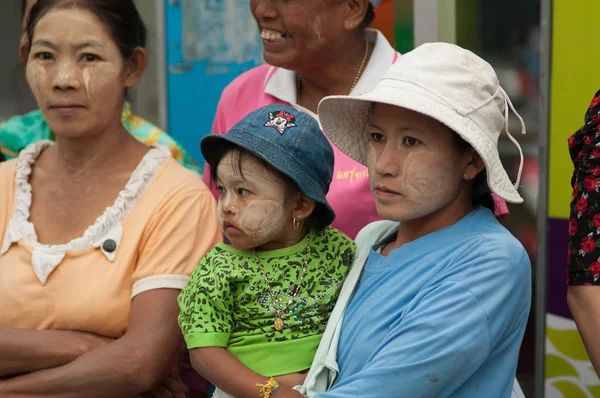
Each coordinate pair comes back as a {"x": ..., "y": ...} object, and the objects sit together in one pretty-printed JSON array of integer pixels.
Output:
[{"x": 254, "y": 311}]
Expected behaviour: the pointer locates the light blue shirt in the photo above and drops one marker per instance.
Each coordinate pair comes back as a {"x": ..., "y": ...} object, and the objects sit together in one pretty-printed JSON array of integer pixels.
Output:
[{"x": 442, "y": 316}]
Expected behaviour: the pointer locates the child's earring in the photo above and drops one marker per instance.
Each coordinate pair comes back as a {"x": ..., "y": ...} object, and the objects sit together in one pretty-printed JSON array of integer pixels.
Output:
[
  {"x": 296, "y": 224},
  {"x": 466, "y": 177}
]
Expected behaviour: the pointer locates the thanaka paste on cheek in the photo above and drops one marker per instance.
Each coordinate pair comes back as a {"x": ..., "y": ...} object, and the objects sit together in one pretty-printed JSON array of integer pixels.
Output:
[
  {"x": 220, "y": 214},
  {"x": 317, "y": 27},
  {"x": 261, "y": 218},
  {"x": 258, "y": 218},
  {"x": 86, "y": 82},
  {"x": 36, "y": 77},
  {"x": 424, "y": 176},
  {"x": 99, "y": 86},
  {"x": 425, "y": 184},
  {"x": 371, "y": 162},
  {"x": 317, "y": 30}
]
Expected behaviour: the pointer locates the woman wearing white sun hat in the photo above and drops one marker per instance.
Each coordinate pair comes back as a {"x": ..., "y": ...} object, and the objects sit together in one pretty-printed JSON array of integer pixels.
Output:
[{"x": 438, "y": 298}]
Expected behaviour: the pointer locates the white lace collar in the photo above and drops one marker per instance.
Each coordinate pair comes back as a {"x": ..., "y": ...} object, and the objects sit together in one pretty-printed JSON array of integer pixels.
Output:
[{"x": 46, "y": 258}]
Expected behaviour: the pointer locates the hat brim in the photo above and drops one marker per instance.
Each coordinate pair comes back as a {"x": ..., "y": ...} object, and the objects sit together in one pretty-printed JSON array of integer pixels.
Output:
[
  {"x": 344, "y": 120},
  {"x": 266, "y": 152}
]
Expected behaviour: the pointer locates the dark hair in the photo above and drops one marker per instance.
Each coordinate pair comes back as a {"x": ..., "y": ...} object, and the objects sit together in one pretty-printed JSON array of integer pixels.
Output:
[
  {"x": 315, "y": 220},
  {"x": 481, "y": 192},
  {"x": 369, "y": 16},
  {"x": 120, "y": 16}
]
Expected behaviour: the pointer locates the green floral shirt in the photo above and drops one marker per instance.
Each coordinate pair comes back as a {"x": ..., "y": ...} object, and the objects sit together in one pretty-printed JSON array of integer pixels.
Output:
[
  {"x": 20, "y": 131},
  {"x": 227, "y": 303}
]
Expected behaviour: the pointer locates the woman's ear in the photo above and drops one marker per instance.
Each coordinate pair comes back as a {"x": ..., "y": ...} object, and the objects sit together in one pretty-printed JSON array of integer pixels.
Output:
[
  {"x": 355, "y": 13},
  {"x": 303, "y": 208},
  {"x": 475, "y": 165},
  {"x": 136, "y": 67},
  {"x": 23, "y": 48}
]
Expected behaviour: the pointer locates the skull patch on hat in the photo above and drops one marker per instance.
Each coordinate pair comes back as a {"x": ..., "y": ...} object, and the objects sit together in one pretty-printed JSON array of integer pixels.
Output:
[{"x": 281, "y": 121}]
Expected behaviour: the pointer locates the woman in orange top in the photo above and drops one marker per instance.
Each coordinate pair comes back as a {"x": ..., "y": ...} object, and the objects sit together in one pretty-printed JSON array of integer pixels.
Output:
[{"x": 98, "y": 232}]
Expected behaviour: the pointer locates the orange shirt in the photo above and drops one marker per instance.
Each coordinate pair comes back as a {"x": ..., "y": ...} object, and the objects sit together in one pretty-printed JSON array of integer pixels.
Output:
[{"x": 159, "y": 228}]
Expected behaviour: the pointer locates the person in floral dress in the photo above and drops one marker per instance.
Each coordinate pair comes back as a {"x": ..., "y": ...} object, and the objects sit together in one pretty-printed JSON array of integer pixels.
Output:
[{"x": 583, "y": 272}]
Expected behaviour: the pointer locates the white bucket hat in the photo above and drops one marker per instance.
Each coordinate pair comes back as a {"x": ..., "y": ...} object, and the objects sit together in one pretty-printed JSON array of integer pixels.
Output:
[{"x": 442, "y": 81}]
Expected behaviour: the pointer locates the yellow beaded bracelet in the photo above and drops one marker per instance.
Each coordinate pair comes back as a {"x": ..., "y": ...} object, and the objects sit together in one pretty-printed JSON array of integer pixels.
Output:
[{"x": 268, "y": 388}]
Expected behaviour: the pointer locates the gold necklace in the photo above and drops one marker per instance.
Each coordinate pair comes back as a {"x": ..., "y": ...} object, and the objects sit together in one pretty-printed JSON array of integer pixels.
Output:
[
  {"x": 279, "y": 323},
  {"x": 360, "y": 70}
]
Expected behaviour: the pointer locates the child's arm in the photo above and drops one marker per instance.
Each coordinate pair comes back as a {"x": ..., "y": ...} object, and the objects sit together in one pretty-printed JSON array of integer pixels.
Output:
[
  {"x": 206, "y": 308},
  {"x": 225, "y": 371}
]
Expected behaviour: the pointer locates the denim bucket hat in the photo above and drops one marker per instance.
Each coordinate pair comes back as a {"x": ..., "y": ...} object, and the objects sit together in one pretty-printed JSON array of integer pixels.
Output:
[{"x": 292, "y": 142}]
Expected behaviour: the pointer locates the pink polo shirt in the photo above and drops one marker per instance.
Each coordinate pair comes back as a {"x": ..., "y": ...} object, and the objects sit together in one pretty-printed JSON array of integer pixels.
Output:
[{"x": 349, "y": 194}]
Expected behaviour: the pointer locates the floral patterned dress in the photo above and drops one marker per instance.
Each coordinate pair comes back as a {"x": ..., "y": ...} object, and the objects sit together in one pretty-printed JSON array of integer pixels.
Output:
[{"x": 584, "y": 224}]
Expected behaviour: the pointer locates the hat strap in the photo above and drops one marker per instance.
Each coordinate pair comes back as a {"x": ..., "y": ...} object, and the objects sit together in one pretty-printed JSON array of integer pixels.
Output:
[{"x": 507, "y": 105}]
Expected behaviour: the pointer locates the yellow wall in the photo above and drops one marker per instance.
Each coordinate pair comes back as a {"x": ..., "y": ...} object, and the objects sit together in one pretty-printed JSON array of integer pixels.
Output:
[{"x": 575, "y": 77}]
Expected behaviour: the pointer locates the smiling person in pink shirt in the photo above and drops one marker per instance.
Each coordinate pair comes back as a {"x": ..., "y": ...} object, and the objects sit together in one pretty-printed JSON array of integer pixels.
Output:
[{"x": 316, "y": 48}]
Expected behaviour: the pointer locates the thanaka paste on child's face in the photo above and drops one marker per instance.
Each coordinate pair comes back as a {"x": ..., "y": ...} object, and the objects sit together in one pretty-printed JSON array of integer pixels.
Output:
[
  {"x": 421, "y": 174},
  {"x": 252, "y": 204},
  {"x": 61, "y": 73}
]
